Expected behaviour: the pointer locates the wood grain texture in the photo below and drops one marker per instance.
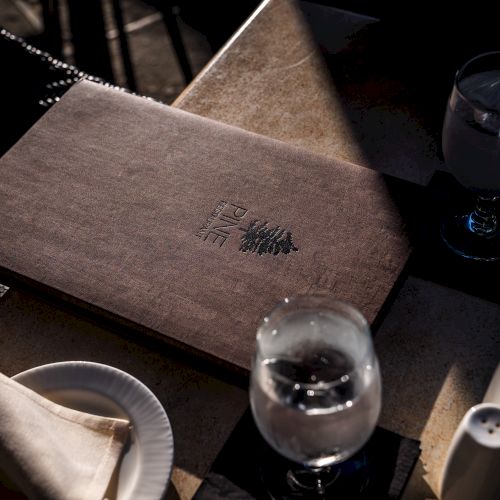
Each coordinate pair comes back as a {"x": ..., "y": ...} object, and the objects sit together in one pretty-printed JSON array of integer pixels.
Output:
[{"x": 106, "y": 197}]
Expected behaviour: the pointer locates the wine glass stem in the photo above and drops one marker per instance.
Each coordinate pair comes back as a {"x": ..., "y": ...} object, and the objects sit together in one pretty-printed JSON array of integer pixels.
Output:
[
  {"x": 312, "y": 480},
  {"x": 320, "y": 485},
  {"x": 483, "y": 219}
]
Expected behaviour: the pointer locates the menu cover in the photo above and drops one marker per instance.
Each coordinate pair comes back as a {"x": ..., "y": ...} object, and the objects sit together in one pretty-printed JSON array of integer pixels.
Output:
[{"x": 186, "y": 227}]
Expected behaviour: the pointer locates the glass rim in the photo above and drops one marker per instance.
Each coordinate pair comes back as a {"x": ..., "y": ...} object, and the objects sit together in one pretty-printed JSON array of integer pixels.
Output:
[
  {"x": 459, "y": 73},
  {"x": 363, "y": 326}
]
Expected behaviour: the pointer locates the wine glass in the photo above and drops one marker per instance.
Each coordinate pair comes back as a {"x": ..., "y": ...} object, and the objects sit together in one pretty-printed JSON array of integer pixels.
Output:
[
  {"x": 315, "y": 388},
  {"x": 471, "y": 147}
]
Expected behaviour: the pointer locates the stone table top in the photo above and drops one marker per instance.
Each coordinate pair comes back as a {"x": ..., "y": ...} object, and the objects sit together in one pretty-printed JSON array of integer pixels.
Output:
[
  {"x": 437, "y": 346},
  {"x": 271, "y": 78}
]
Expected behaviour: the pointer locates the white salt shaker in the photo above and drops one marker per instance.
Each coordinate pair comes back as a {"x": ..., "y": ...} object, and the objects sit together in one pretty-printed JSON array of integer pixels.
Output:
[{"x": 472, "y": 466}]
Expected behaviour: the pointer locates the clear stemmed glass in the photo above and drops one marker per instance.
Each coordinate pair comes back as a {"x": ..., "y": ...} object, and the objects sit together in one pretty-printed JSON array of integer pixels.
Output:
[
  {"x": 315, "y": 389},
  {"x": 471, "y": 147}
]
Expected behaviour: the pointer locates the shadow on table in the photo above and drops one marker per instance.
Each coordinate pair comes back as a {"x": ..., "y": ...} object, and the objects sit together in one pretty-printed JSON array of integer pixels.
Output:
[
  {"x": 391, "y": 83},
  {"x": 417, "y": 488},
  {"x": 248, "y": 468},
  {"x": 439, "y": 342},
  {"x": 438, "y": 337},
  {"x": 391, "y": 75}
]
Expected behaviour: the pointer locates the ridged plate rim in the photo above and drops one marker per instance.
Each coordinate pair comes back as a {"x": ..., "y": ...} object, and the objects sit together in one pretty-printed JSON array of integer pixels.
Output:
[{"x": 152, "y": 430}]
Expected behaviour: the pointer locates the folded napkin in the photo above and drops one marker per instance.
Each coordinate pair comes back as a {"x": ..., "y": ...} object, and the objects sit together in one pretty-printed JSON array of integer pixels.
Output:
[{"x": 50, "y": 451}]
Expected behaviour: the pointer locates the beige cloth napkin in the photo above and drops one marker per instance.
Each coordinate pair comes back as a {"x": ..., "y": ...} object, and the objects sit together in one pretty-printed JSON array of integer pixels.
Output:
[{"x": 54, "y": 452}]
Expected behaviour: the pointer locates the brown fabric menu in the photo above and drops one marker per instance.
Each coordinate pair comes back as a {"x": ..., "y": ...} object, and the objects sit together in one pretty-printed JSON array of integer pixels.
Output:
[{"x": 190, "y": 228}]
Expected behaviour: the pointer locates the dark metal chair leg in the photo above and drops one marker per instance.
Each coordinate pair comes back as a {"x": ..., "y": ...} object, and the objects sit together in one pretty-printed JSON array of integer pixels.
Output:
[
  {"x": 89, "y": 37},
  {"x": 122, "y": 36},
  {"x": 170, "y": 21},
  {"x": 52, "y": 27}
]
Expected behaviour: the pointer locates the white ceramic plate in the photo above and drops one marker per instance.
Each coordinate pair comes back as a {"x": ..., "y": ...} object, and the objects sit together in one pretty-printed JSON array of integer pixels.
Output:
[{"x": 147, "y": 463}]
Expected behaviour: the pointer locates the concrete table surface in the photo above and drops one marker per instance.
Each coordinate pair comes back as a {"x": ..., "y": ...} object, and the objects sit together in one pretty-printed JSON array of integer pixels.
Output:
[
  {"x": 270, "y": 78},
  {"x": 437, "y": 346}
]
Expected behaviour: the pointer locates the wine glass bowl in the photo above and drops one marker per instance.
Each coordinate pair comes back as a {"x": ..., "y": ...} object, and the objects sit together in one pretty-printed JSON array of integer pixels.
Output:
[
  {"x": 315, "y": 389},
  {"x": 471, "y": 148}
]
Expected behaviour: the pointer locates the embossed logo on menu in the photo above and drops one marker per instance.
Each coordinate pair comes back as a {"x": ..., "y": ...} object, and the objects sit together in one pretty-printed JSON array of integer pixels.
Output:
[{"x": 230, "y": 220}]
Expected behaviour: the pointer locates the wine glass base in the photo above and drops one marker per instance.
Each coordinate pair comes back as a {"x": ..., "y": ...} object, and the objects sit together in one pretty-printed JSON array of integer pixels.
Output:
[
  {"x": 348, "y": 479},
  {"x": 458, "y": 237}
]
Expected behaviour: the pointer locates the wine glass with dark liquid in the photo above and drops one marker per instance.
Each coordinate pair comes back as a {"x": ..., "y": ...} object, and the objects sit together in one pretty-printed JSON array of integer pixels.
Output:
[
  {"x": 471, "y": 147},
  {"x": 315, "y": 389}
]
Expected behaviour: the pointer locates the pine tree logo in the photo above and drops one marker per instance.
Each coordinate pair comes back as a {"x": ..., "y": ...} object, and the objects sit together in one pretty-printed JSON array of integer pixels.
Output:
[{"x": 262, "y": 239}]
